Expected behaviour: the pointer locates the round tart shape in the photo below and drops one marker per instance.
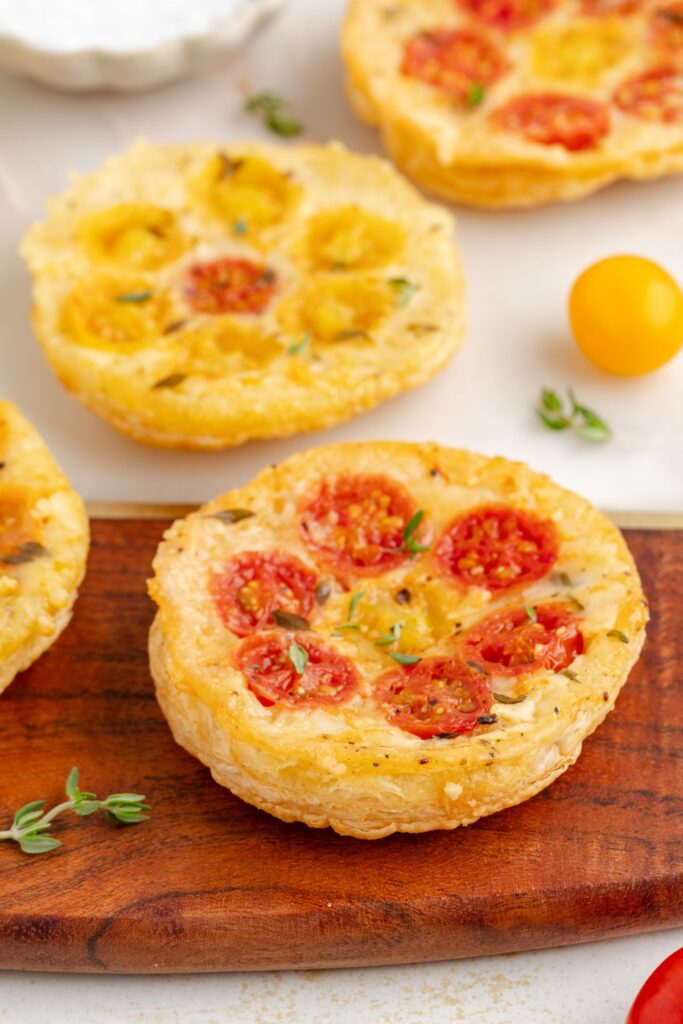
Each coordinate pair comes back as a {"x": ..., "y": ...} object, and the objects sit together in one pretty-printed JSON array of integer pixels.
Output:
[
  {"x": 44, "y": 540},
  {"x": 197, "y": 296},
  {"x": 388, "y": 637},
  {"x": 501, "y": 103}
]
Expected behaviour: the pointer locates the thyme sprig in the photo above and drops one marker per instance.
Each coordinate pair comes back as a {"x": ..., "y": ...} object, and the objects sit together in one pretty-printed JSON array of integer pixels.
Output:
[
  {"x": 273, "y": 110},
  {"x": 410, "y": 542},
  {"x": 353, "y": 604},
  {"x": 32, "y": 822},
  {"x": 298, "y": 656},
  {"x": 585, "y": 422}
]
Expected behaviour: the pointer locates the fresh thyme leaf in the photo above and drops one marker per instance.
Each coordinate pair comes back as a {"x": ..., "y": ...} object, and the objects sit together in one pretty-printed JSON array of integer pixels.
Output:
[
  {"x": 28, "y": 552},
  {"x": 476, "y": 94},
  {"x": 288, "y": 620},
  {"x": 404, "y": 290},
  {"x": 135, "y": 296},
  {"x": 232, "y": 515},
  {"x": 38, "y": 843},
  {"x": 28, "y": 813},
  {"x": 569, "y": 674},
  {"x": 410, "y": 542},
  {"x": 487, "y": 719},
  {"x": 404, "y": 659},
  {"x": 323, "y": 592},
  {"x": 272, "y": 109},
  {"x": 392, "y": 637},
  {"x": 172, "y": 381},
  {"x": 240, "y": 227},
  {"x": 299, "y": 347},
  {"x": 504, "y": 698},
  {"x": 32, "y": 820},
  {"x": 531, "y": 612},
  {"x": 298, "y": 656},
  {"x": 349, "y": 625},
  {"x": 353, "y": 604},
  {"x": 618, "y": 634},
  {"x": 584, "y": 421}
]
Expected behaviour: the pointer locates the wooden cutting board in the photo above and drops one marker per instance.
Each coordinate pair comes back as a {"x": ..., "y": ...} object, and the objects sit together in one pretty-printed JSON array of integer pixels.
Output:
[{"x": 210, "y": 884}]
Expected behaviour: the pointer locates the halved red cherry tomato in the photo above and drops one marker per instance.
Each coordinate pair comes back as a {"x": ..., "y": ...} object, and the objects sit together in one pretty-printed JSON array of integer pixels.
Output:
[
  {"x": 508, "y": 14},
  {"x": 454, "y": 60},
  {"x": 653, "y": 96},
  {"x": 554, "y": 120},
  {"x": 436, "y": 697},
  {"x": 229, "y": 286},
  {"x": 497, "y": 547},
  {"x": 660, "y": 1000},
  {"x": 254, "y": 584},
  {"x": 667, "y": 31},
  {"x": 356, "y": 523},
  {"x": 267, "y": 661},
  {"x": 513, "y": 641}
]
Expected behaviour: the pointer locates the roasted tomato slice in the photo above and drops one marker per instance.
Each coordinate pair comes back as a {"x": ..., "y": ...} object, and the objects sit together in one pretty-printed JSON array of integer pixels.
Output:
[
  {"x": 453, "y": 60},
  {"x": 508, "y": 15},
  {"x": 660, "y": 1000},
  {"x": 653, "y": 96},
  {"x": 554, "y": 120},
  {"x": 279, "y": 673},
  {"x": 497, "y": 547},
  {"x": 524, "y": 639},
  {"x": 254, "y": 584},
  {"x": 229, "y": 286},
  {"x": 436, "y": 697},
  {"x": 356, "y": 523}
]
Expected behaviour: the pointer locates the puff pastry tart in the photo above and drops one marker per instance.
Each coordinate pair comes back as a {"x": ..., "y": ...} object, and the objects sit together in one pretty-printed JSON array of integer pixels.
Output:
[
  {"x": 516, "y": 102},
  {"x": 43, "y": 546},
  {"x": 392, "y": 637},
  {"x": 196, "y": 296}
]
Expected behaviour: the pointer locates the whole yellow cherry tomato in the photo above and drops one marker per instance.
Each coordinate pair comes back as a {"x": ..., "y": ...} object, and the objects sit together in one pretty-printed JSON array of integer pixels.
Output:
[{"x": 626, "y": 315}]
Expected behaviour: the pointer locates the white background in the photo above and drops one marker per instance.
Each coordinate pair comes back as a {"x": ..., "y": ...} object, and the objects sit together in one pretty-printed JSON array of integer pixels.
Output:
[{"x": 520, "y": 267}]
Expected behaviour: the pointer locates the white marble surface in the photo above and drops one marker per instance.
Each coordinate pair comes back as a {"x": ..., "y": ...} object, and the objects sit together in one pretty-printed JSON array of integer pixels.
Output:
[
  {"x": 581, "y": 985},
  {"x": 520, "y": 267}
]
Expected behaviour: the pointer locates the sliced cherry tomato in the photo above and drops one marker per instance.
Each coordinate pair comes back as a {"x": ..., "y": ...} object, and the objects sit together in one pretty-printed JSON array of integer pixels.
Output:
[
  {"x": 436, "y": 697},
  {"x": 554, "y": 120},
  {"x": 229, "y": 286},
  {"x": 356, "y": 522},
  {"x": 660, "y": 1000},
  {"x": 667, "y": 31},
  {"x": 254, "y": 584},
  {"x": 454, "y": 60},
  {"x": 497, "y": 547},
  {"x": 653, "y": 96},
  {"x": 508, "y": 15},
  {"x": 268, "y": 662},
  {"x": 524, "y": 639}
]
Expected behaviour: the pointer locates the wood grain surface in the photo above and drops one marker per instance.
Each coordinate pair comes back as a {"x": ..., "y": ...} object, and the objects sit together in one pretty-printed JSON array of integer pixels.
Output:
[{"x": 210, "y": 884}]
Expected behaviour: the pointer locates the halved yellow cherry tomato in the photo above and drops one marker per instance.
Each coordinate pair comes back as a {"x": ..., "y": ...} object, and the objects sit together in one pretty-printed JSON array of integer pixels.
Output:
[{"x": 626, "y": 315}]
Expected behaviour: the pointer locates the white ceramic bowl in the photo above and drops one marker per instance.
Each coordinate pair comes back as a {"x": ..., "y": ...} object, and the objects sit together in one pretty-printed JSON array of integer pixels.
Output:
[{"x": 80, "y": 45}]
